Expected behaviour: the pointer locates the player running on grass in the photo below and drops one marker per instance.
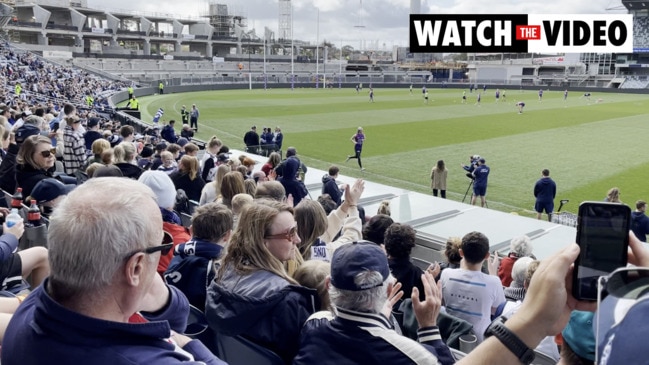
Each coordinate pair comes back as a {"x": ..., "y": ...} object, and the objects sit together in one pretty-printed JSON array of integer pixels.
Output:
[{"x": 358, "y": 139}]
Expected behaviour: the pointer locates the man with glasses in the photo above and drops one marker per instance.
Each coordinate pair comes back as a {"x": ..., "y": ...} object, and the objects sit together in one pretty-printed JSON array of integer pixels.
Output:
[{"x": 104, "y": 303}]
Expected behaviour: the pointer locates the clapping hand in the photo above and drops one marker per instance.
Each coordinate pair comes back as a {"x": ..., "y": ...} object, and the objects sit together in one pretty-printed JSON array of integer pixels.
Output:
[{"x": 427, "y": 310}]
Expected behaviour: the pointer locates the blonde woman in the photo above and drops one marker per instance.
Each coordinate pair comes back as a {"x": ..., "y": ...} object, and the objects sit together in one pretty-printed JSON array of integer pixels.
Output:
[
  {"x": 384, "y": 208},
  {"x": 231, "y": 185},
  {"x": 438, "y": 179},
  {"x": 125, "y": 160},
  {"x": 613, "y": 196},
  {"x": 187, "y": 178},
  {"x": 99, "y": 146},
  {"x": 252, "y": 294},
  {"x": 209, "y": 162},
  {"x": 213, "y": 189}
]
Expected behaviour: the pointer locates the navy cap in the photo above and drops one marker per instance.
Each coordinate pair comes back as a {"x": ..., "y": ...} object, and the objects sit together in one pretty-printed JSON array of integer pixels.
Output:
[
  {"x": 147, "y": 151},
  {"x": 93, "y": 122},
  {"x": 26, "y": 131},
  {"x": 49, "y": 189},
  {"x": 222, "y": 157},
  {"x": 161, "y": 146},
  {"x": 355, "y": 258}
]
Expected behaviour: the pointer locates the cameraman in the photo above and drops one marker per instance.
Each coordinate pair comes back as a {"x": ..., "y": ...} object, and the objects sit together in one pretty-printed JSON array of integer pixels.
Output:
[
  {"x": 473, "y": 163},
  {"x": 480, "y": 174}
]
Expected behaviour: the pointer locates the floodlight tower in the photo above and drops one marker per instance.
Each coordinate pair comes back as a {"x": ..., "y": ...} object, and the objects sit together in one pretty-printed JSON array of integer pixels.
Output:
[
  {"x": 360, "y": 16},
  {"x": 285, "y": 23},
  {"x": 415, "y": 6}
]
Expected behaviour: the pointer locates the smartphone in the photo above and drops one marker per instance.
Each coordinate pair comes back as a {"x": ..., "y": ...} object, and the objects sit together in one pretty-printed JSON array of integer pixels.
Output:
[{"x": 603, "y": 239}]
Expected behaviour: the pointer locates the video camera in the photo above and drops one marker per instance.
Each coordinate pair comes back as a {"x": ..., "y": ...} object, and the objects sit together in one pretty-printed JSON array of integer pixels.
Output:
[{"x": 475, "y": 159}]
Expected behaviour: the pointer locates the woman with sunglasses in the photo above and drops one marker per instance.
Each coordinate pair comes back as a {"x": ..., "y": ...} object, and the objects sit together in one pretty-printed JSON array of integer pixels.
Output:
[
  {"x": 252, "y": 295},
  {"x": 34, "y": 162}
]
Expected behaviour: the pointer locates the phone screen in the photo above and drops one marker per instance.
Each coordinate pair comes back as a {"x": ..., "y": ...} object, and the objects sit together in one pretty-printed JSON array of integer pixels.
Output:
[{"x": 603, "y": 237}]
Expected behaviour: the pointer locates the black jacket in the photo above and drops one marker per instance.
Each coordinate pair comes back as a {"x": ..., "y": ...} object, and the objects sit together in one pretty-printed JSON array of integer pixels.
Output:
[
  {"x": 251, "y": 139},
  {"x": 330, "y": 187},
  {"x": 290, "y": 182},
  {"x": 129, "y": 170},
  {"x": 192, "y": 188},
  {"x": 27, "y": 177},
  {"x": 408, "y": 275},
  {"x": 8, "y": 169}
]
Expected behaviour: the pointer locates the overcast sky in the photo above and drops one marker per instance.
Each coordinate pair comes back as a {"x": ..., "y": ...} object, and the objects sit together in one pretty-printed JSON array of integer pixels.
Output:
[{"x": 385, "y": 22}]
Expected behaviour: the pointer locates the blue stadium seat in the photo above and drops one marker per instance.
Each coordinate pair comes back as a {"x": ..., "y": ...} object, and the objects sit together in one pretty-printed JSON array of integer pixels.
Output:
[
  {"x": 239, "y": 351},
  {"x": 196, "y": 322}
]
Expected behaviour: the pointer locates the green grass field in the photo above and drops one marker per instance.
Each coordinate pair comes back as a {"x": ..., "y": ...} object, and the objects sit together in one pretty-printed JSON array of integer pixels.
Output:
[{"x": 588, "y": 146}]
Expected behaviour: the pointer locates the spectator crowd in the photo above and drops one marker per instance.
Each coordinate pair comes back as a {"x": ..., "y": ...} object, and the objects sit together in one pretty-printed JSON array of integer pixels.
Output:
[{"x": 142, "y": 229}]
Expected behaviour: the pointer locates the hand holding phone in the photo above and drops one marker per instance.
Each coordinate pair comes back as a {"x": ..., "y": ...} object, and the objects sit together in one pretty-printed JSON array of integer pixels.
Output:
[{"x": 603, "y": 238}]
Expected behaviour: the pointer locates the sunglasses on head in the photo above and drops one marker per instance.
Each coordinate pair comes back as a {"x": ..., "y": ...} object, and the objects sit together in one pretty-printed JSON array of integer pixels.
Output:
[
  {"x": 48, "y": 153},
  {"x": 288, "y": 235},
  {"x": 627, "y": 282}
]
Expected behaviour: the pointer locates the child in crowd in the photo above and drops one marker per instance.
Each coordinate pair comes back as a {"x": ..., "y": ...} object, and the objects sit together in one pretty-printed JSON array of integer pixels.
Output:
[{"x": 169, "y": 164}]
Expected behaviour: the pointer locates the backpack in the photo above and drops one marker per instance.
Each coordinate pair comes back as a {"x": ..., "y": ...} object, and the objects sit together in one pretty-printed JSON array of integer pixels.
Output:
[{"x": 182, "y": 202}]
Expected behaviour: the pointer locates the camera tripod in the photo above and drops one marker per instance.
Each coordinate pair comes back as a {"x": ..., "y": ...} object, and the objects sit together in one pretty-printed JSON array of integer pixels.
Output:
[
  {"x": 467, "y": 193},
  {"x": 467, "y": 190}
]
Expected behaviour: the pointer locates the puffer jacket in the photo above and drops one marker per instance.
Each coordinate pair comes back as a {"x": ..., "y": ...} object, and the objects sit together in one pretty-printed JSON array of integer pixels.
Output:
[{"x": 261, "y": 307}]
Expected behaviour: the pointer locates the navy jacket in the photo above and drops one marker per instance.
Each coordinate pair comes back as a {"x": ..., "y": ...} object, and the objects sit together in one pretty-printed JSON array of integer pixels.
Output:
[
  {"x": 169, "y": 134},
  {"x": 290, "y": 182},
  {"x": 44, "y": 332},
  {"x": 640, "y": 225},
  {"x": 191, "y": 270},
  {"x": 330, "y": 187},
  {"x": 278, "y": 139},
  {"x": 545, "y": 190},
  {"x": 90, "y": 137},
  {"x": 366, "y": 338},
  {"x": 481, "y": 174},
  {"x": 261, "y": 307},
  {"x": 8, "y": 244}
]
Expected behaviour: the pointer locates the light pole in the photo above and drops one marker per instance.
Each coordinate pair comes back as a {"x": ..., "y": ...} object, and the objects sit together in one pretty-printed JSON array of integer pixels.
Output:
[
  {"x": 292, "y": 52},
  {"x": 249, "y": 69},
  {"x": 317, "y": 55}
]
